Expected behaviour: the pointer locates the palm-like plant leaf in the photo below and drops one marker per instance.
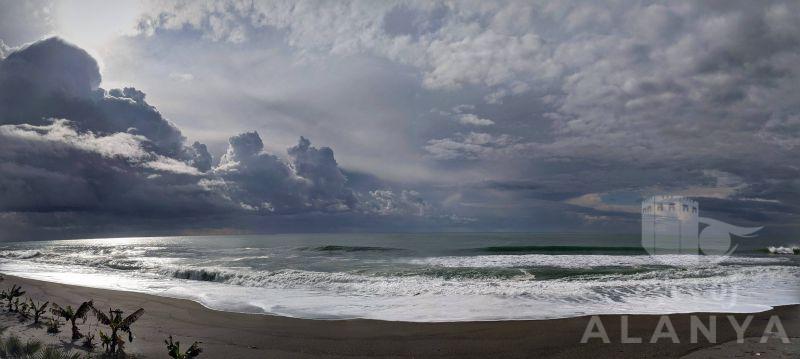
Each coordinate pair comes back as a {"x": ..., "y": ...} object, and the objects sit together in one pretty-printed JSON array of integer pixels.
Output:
[
  {"x": 101, "y": 317},
  {"x": 58, "y": 311},
  {"x": 83, "y": 309},
  {"x": 126, "y": 323}
]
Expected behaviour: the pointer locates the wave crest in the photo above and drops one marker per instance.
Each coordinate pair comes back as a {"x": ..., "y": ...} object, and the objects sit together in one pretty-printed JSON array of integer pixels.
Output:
[{"x": 784, "y": 250}]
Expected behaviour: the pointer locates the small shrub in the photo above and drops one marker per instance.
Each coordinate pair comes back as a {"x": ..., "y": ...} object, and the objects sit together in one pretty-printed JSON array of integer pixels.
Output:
[
  {"x": 117, "y": 323},
  {"x": 53, "y": 326},
  {"x": 174, "y": 350},
  {"x": 13, "y": 347},
  {"x": 37, "y": 309},
  {"x": 52, "y": 352},
  {"x": 88, "y": 342},
  {"x": 14, "y": 293},
  {"x": 71, "y": 315}
]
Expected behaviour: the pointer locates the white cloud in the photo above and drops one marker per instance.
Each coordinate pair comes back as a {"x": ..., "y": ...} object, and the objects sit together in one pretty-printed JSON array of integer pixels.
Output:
[
  {"x": 476, "y": 145},
  {"x": 59, "y": 132},
  {"x": 458, "y": 50},
  {"x": 473, "y": 120}
]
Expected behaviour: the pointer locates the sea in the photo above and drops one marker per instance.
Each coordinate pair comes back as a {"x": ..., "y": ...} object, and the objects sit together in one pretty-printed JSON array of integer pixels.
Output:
[{"x": 417, "y": 277}]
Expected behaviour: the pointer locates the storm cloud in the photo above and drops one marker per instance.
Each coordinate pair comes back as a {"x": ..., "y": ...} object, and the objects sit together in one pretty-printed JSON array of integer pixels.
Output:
[
  {"x": 510, "y": 115},
  {"x": 67, "y": 145}
]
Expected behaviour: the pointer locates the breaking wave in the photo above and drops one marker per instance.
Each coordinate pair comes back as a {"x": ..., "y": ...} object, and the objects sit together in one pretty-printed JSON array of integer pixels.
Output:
[
  {"x": 335, "y": 248},
  {"x": 784, "y": 250},
  {"x": 384, "y": 282},
  {"x": 20, "y": 254},
  {"x": 581, "y": 287},
  {"x": 579, "y": 261},
  {"x": 563, "y": 249}
]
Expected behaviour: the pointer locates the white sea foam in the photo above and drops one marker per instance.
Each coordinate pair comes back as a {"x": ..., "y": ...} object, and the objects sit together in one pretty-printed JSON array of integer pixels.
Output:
[
  {"x": 582, "y": 261},
  {"x": 437, "y": 288},
  {"x": 25, "y": 254},
  {"x": 784, "y": 250},
  {"x": 313, "y": 294}
]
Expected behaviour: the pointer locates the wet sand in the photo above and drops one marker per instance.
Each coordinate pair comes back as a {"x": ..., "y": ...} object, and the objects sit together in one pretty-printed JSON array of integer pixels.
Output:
[{"x": 234, "y": 335}]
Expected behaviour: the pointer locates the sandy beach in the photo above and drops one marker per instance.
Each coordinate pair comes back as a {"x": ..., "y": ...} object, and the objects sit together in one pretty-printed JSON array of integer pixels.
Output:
[{"x": 233, "y": 335}]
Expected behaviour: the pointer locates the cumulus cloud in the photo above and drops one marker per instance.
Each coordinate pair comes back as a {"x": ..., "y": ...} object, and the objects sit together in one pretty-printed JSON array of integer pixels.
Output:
[
  {"x": 69, "y": 146},
  {"x": 259, "y": 181},
  {"x": 53, "y": 79},
  {"x": 51, "y": 168}
]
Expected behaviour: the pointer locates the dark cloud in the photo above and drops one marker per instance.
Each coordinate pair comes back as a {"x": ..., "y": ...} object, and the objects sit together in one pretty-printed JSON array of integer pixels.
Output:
[
  {"x": 520, "y": 114},
  {"x": 68, "y": 146},
  {"x": 53, "y": 79}
]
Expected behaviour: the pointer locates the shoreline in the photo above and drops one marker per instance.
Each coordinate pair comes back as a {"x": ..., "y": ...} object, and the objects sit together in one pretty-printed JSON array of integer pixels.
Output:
[{"x": 241, "y": 335}]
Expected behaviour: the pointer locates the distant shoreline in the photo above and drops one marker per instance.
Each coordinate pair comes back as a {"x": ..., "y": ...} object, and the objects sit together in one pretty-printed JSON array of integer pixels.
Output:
[{"x": 236, "y": 335}]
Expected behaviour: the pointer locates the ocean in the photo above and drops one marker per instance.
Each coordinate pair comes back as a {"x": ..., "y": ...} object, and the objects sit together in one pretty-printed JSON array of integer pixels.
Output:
[{"x": 415, "y": 277}]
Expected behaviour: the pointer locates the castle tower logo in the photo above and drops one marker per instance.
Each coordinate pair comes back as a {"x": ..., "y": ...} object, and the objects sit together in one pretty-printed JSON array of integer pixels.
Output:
[{"x": 671, "y": 225}]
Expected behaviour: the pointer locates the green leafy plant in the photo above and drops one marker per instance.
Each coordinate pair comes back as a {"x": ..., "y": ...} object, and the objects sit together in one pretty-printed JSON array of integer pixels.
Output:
[
  {"x": 88, "y": 342},
  {"x": 53, "y": 326},
  {"x": 71, "y": 315},
  {"x": 22, "y": 309},
  {"x": 117, "y": 323},
  {"x": 12, "y": 294},
  {"x": 37, "y": 309},
  {"x": 105, "y": 340},
  {"x": 174, "y": 350}
]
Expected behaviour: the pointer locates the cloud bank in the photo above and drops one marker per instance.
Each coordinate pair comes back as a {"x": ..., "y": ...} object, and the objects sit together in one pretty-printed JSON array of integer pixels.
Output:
[
  {"x": 522, "y": 114},
  {"x": 67, "y": 145}
]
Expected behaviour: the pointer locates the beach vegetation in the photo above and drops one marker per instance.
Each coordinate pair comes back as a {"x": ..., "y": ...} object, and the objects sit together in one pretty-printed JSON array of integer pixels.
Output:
[
  {"x": 10, "y": 295},
  {"x": 53, "y": 326},
  {"x": 22, "y": 309},
  {"x": 13, "y": 347},
  {"x": 53, "y": 352},
  {"x": 37, "y": 309},
  {"x": 88, "y": 342},
  {"x": 174, "y": 350},
  {"x": 72, "y": 315},
  {"x": 116, "y": 324},
  {"x": 17, "y": 305},
  {"x": 105, "y": 341}
]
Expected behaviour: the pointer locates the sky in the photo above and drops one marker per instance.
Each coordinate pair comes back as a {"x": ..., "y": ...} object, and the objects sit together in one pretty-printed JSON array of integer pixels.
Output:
[{"x": 195, "y": 117}]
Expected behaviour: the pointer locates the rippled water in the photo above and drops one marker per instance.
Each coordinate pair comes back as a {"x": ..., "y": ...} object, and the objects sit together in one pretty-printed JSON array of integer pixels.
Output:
[{"x": 431, "y": 277}]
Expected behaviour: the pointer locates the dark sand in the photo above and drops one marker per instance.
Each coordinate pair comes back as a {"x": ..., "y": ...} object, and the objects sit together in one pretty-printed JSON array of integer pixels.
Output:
[{"x": 232, "y": 335}]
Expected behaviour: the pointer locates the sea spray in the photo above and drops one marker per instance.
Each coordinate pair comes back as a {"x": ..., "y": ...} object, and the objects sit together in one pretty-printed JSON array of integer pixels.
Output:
[{"x": 784, "y": 250}]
